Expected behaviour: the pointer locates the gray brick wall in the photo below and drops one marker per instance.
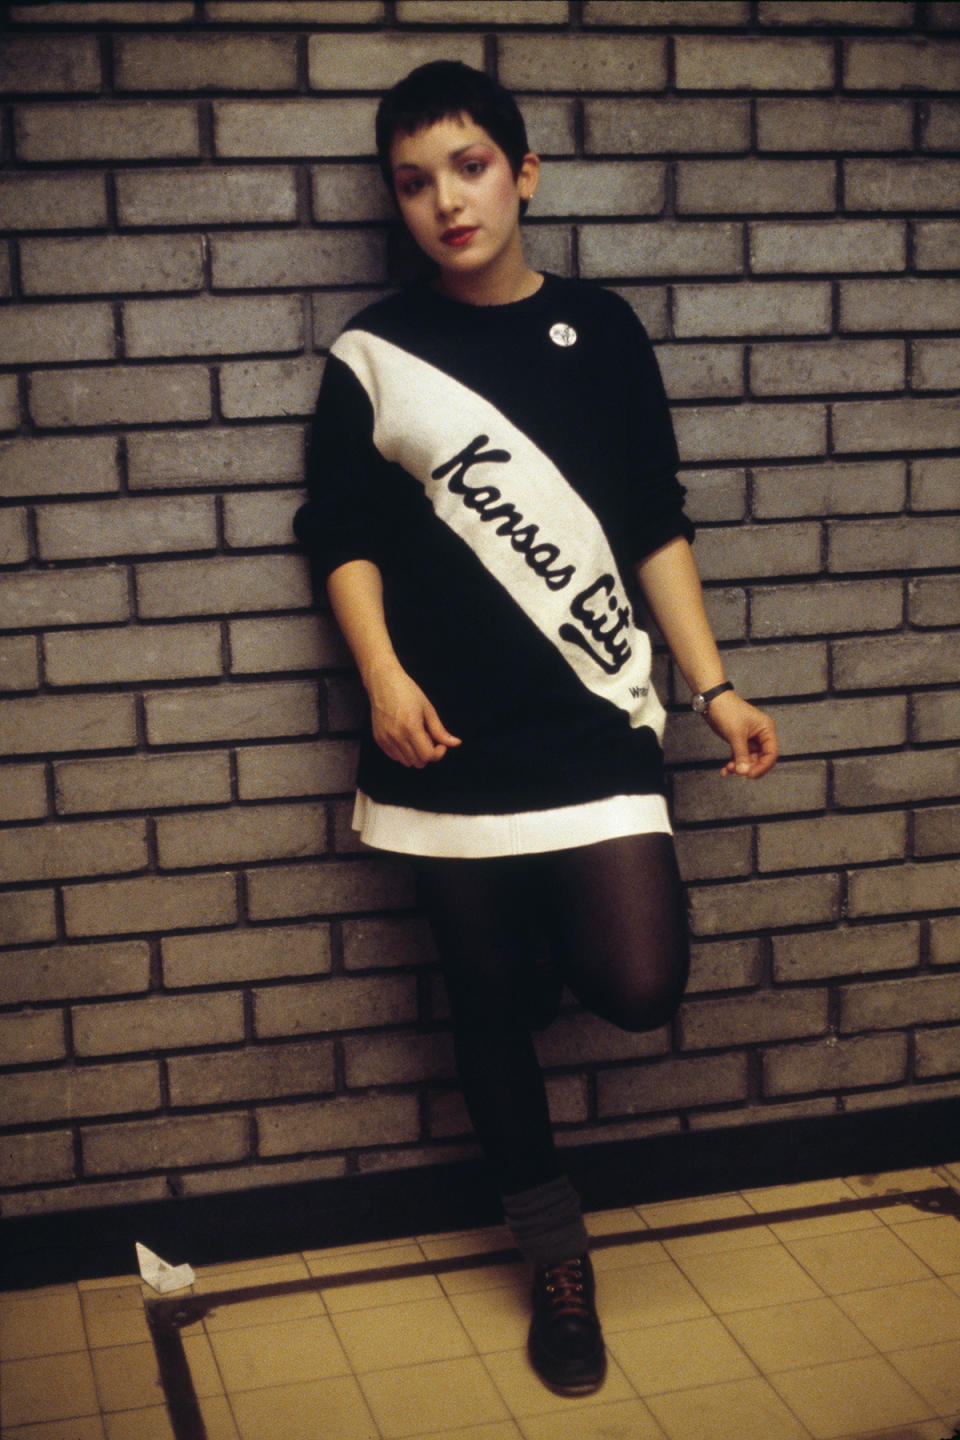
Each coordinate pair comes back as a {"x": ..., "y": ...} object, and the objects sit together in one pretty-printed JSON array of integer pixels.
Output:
[{"x": 205, "y": 983}]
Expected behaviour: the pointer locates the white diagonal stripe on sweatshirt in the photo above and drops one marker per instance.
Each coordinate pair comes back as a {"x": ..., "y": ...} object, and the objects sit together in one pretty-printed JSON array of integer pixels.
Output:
[{"x": 522, "y": 519}]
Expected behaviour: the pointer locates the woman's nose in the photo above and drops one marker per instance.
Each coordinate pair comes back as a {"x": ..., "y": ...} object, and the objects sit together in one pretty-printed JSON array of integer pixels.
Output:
[{"x": 447, "y": 194}]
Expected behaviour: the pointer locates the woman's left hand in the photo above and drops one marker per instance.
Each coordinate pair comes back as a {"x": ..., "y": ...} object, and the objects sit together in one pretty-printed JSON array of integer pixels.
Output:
[{"x": 751, "y": 735}]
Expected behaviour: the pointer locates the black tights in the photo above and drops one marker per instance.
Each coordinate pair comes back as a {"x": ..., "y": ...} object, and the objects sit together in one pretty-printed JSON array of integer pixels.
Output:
[{"x": 608, "y": 920}]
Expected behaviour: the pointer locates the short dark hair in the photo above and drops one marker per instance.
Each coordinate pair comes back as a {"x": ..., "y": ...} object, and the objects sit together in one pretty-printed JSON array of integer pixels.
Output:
[{"x": 443, "y": 88}]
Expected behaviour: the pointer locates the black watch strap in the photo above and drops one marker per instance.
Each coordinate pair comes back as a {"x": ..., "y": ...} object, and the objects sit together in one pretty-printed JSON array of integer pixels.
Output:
[{"x": 700, "y": 702}]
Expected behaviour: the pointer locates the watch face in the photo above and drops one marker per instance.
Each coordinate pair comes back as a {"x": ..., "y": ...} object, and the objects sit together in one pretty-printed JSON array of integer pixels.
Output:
[{"x": 699, "y": 704}]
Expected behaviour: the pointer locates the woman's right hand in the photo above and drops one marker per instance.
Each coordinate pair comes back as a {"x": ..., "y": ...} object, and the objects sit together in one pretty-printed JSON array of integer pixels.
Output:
[{"x": 405, "y": 724}]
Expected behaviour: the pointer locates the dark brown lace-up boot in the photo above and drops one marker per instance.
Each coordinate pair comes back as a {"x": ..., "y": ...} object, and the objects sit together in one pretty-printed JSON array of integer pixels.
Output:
[{"x": 565, "y": 1342}]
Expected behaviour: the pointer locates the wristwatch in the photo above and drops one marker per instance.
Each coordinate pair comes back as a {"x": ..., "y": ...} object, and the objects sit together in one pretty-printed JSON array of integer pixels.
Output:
[{"x": 700, "y": 702}]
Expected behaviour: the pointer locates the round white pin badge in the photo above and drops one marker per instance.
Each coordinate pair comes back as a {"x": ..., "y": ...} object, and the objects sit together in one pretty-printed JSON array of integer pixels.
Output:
[{"x": 563, "y": 334}]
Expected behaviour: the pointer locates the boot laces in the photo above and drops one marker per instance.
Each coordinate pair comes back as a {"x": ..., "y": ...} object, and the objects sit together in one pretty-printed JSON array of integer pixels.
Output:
[{"x": 563, "y": 1283}]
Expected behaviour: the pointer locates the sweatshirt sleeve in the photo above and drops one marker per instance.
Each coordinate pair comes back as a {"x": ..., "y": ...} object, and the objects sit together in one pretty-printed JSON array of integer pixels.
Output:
[
  {"x": 339, "y": 521},
  {"x": 653, "y": 508}
]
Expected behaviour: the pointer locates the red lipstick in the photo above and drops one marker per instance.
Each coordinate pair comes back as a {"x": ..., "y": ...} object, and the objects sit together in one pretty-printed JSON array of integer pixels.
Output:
[{"x": 458, "y": 234}]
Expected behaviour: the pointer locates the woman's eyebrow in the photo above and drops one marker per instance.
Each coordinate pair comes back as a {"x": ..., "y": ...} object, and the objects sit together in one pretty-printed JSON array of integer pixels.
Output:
[{"x": 451, "y": 155}]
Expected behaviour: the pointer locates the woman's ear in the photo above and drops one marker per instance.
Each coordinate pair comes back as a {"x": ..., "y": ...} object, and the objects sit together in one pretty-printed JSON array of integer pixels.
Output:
[{"x": 527, "y": 176}]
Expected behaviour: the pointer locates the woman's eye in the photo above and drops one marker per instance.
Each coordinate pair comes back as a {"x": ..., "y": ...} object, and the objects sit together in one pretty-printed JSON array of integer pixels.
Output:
[
  {"x": 409, "y": 188},
  {"x": 474, "y": 167}
]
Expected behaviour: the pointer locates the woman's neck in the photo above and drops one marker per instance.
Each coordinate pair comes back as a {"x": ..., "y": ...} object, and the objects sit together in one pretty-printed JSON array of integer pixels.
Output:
[{"x": 510, "y": 284}]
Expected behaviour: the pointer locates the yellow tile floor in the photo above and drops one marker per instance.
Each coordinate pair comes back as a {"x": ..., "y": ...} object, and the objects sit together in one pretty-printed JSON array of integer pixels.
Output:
[{"x": 778, "y": 1314}]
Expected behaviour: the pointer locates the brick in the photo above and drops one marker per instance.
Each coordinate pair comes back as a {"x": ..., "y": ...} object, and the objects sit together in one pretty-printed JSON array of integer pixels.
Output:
[
  {"x": 58, "y": 466},
  {"x": 205, "y": 62},
  {"x": 713, "y": 854},
  {"x": 334, "y": 1004},
  {"x": 831, "y": 366},
  {"x": 165, "y": 1143},
  {"x": 934, "y": 601},
  {"x": 834, "y": 724},
  {"x": 253, "y": 1176},
  {"x": 831, "y": 841},
  {"x": 835, "y": 124},
  {"x": 666, "y": 12},
  {"x": 824, "y": 954},
  {"x": 36, "y": 1159},
  {"x": 397, "y": 1059},
  {"x": 230, "y": 712},
  {"x": 27, "y": 915},
  {"x": 748, "y": 186},
  {"x": 344, "y": 1123},
  {"x": 332, "y": 310},
  {"x": 264, "y": 1072},
  {"x": 308, "y": 258},
  {"x": 837, "y": 488},
  {"x": 63, "y": 597},
  {"x": 346, "y": 841},
  {"x": 50, "y": 851},
  {"x": 127, "y": 395},
  {"x": 322, "y": 767},
  {"x": 151, "y": 903},
  {"x": 907, "y": 304},
  {"x": 34, "y": 64},
  {"x": 649, "y": 305},
  {"x": 667, "y": 126},
  {"x": 793, "y": 786},
  {"x": 771, "y": 670},
  {"x": 928, "y": 423},
  {"x": 551, "y": 125},
  {"x": 927, "y": 885},
  {"x": 936, "y": 717},
  {"x": 714, "y": 496},
  {"x": 40, "y": 333},
  {"x": 166, "y": 1022},
  {"x": 834, "y": 1064},
  {"x": 583, "y": 62},
  {"x": 917, "y": 775},
  {"x": 908, "y": 63},
  {"x": 945, "y": 940},
  {"x": 727, "y": 965},
  {"x": 225, "y": 195},
  {"x": 260, "y": 520},
  {"x": 291, "y": 129},
  {"x": 485, "y": 12},
  {"x": 671, "y": 1085},
  {"x": 60, "y": 722},
  {"x": 907, "y": 185},
  {"x": 53, "y": 201},
  {"x": 751, "y": 1019},
  {"x": 365, "y": 62},
  {"x": 753, "y": 308},
  {"x": 240, "y": 834},
  {"x": 601, "y": 187},
  {"x": 759, "y": 551},
  {"x": 19, "y": 663},
  {"x": 253, "y": 388},
  {"x": 9, "y": 403},
  {"x": 97, "y": 12},
  {"x": 213, "y": 325},
  {"x": 14, "y": 537},
  {"x": 147, "y": 652},
  {"x": 936, "y": 831},
  {"x": 296, "y": 12},
  {"x": 108, "y": 263},
  {"x": 750, "y": 431},
  {"x": 222, "y": 585},
  {"x": 30, "y": 1036},
  {"x": 945, "y": 13},
  {"x": 384, "y": 942},
  {"x": 273, "y": 952},
  {"x": 757, "y": 905},
  {"x": 107, "y": 130},
  {"x": 216, "y": 457},
  {"x": 349, "y": 193},
  {"x": 907, "y": 543},
  {"x": 73, "y": 972},
  {"x": 933, "y": 483},
  {"x": 329, "y": 888},
  {"x": 290, "y": 642},
  {"x": 935, "y": 364},
  {"x": 941, "y": 126},
  {"x": 4, "y": 269},
  {"x": 23, "y": 792},
  {"x": 829, "y": 607},
  {"x": 937, "y": 245},
  {"x": 894, "y": 1004},
  {"x": 103, "y": 529},
  {"x": 723, "y": 62},
  {"x": 834, "y": 13},
  {"x": 827, "y": 246},
  {"x": 700, "y": 372},
  {"x": 666, "y": 249},
  {"x": 938, "y": 1051},
  {"x": 79, "y": 1092}
]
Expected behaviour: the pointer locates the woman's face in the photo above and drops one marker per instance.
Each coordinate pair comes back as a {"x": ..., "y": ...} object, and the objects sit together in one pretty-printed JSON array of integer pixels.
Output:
[{"x": 459, "y": 197}]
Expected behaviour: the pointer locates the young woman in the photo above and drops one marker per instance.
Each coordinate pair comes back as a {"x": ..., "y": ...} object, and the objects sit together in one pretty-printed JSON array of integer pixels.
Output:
[{"x": 492, "y": 462}]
